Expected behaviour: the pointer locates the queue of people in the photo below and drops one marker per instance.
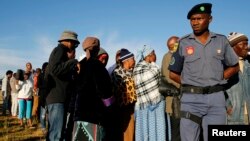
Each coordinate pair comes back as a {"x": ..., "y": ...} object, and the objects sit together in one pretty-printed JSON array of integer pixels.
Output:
[{"x": 84, "y": 100}]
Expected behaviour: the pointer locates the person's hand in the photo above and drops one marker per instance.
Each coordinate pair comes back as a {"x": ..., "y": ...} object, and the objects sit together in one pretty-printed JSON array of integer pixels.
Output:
[
  {"x": 78, "y": 67},
  {"x": 3, "y": 94},
  {"x": 229, "y": 110}
]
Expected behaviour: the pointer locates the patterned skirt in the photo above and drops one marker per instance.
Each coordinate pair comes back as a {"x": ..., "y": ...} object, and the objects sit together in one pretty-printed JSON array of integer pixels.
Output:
[{"x": 85, "y": 131}]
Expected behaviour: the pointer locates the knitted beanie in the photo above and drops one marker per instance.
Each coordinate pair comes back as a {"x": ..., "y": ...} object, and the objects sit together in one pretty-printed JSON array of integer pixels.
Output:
[
  {"x": 125, "y": 54},
  {"x": 235, "y": 37}
]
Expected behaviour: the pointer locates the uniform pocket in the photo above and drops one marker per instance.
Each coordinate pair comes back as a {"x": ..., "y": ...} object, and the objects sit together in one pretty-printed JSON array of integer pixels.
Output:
[
  {"x": 193, "y": 63},
  {"x": 217, "y": 63}
]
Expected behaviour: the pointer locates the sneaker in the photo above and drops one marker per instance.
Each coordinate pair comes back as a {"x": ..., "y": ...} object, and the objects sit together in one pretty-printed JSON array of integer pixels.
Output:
[
  {"x": 31, "y": 127},
  {"x": 44, "y": 131}
]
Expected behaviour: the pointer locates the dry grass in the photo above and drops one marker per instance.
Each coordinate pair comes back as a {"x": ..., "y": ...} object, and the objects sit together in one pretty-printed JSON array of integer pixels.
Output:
[{"x": 10, "y": 130}]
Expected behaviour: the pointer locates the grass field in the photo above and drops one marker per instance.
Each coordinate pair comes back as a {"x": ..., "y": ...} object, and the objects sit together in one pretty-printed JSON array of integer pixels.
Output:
[{"x": 10, "y": 130}]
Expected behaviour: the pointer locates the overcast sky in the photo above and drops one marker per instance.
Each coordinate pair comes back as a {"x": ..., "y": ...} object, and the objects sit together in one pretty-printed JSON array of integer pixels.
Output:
[{"x": 30, "y": 29}]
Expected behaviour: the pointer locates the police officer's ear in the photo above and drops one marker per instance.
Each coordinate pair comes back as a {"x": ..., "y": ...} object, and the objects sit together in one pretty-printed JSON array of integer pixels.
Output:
[{"x": 210, "y": 18}]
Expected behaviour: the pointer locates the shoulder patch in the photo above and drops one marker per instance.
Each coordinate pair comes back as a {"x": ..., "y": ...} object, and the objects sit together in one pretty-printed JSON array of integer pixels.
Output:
[
  {"x": 190, "y": 50},
  {"x": 172, "y": 61}
]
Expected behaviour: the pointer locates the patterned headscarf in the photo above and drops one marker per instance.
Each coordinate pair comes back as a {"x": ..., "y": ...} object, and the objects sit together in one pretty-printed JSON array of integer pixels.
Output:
[{"x": 143, "y": 52}]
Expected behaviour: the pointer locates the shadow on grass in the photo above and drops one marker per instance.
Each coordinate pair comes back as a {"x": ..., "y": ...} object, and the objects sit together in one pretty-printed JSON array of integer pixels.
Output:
[{"x": 10, "y": 130}]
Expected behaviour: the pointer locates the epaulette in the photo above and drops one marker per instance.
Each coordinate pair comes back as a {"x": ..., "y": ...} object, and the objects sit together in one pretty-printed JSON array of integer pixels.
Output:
[
  {"x": 217, "y": 34},
  {"x": 184, "y": 37}
]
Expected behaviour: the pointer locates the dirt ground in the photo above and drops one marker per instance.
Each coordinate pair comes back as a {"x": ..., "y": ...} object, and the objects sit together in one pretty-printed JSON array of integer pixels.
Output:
[{"x": 10, "y": 130}]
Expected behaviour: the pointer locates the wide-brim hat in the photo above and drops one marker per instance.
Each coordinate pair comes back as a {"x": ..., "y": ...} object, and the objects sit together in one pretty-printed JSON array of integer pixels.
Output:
[{"x": 69, "y": 35}]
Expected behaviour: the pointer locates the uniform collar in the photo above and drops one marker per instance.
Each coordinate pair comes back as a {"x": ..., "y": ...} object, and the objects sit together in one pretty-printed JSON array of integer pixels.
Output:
[{"x": 212, "y": 35}]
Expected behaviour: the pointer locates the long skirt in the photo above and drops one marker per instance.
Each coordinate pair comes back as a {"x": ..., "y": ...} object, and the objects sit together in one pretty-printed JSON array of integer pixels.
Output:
[{"x": 150, "y": 123}]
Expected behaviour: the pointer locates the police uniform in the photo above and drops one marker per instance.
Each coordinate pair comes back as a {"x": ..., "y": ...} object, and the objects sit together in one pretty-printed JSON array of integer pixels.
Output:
[{"x": 201, "y": 67}]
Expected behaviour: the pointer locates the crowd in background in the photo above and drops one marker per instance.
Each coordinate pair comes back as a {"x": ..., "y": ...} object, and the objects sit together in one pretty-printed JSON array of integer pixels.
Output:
[{"x": 84, "y": 100}]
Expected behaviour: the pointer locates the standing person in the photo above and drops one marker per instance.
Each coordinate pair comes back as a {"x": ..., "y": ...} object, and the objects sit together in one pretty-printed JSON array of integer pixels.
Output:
[
  {"x": 29, "y": 69},
  {"x": 59, "y": 68},
  {"x": 35, "y": 110},
  {"x": 70, "y": 101},
  {"x": 6, "y": 92},
  {"x": 116, "y": 64},
  {"x": 198, "y": 65},
  {"x": 94, "y": 95},
  {"x": 42, "y": 93},
  {"x": 25, "y": 91},
  {"x": 124, "y": 87},
  {"x": 103, "y": 56},
  {"x": 150, "y": 105},
  {"x": 14, "y": 94},
  {"x": 174, "y": 130},
  {"x": 238, "y": 85}
]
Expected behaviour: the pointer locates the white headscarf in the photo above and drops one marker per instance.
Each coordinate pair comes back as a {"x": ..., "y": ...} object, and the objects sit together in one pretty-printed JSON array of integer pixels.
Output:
[{"x": 143, "y": 52}]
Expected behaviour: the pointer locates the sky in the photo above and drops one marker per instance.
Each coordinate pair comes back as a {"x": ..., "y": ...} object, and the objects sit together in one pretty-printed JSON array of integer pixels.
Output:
[{"x": 29, "y": 29}]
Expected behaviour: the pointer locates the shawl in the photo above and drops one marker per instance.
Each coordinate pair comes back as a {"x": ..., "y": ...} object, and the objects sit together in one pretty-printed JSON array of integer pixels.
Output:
[
  {"x": 123, "y": 86},
  {"x": 147, "y": 78}
]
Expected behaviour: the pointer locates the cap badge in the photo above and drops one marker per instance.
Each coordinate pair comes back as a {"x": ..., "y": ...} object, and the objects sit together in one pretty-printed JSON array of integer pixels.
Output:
[
  {"x": 190, "y": 50},
  {"x": 202, "y": 8}
]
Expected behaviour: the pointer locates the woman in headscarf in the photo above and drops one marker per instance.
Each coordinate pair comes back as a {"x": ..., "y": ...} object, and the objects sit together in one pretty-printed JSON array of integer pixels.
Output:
[
  {"x": 103, "y": 56},
  {"x": 150, "y": 105}
]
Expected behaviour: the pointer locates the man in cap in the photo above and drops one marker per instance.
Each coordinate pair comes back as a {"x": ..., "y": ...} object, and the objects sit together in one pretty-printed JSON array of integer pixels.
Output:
[
  {"x": 59, "y": 69},
  {"x": 198, "y": 65},
  {"x": 94, "y": 95},
  {"x": 238, "y": 85}
]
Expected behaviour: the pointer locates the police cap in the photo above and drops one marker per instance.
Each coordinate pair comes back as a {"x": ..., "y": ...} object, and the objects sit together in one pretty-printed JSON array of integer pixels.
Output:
[{"x": 203, "y": 8}]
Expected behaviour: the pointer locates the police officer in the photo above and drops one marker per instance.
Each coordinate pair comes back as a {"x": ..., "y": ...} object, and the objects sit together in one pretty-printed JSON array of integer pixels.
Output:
[{"x": 198, "y": 65}]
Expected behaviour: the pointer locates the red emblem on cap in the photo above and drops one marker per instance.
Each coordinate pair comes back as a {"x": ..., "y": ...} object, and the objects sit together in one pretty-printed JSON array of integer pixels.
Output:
[{"x": 190, "y": 50}]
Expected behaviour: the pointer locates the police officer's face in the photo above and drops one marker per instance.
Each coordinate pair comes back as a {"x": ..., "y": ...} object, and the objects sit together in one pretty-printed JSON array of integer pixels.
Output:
[{"x": 200, "y": 23}]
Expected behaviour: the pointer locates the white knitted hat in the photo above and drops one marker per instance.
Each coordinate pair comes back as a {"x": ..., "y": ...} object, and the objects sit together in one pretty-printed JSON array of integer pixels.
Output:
[{"x": 235, "y": 37}]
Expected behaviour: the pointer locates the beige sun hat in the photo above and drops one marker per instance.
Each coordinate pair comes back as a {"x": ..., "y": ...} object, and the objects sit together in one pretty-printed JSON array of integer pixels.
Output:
[{"x": 69, "y": 35}]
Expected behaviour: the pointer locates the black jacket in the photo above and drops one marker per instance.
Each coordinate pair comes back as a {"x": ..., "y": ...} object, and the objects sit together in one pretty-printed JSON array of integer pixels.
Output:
[
  {"x": 57, "y": 75},
  {"x": 93, "y": 85}
]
